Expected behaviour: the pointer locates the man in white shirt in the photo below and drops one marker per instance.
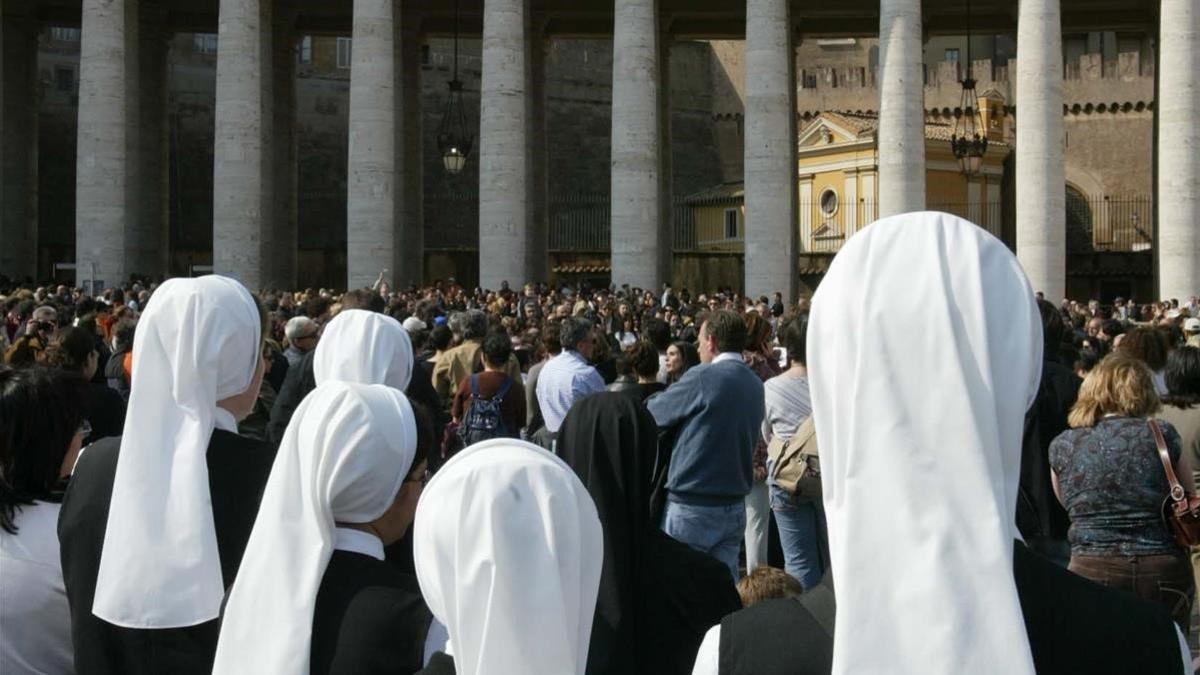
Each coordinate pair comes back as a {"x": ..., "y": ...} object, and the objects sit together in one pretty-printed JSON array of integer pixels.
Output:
[{"x": 568, "y": 377}]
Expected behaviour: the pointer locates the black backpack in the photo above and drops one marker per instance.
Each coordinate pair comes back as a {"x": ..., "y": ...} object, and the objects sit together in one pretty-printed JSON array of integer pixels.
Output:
[{"x": 483, "y": 418}]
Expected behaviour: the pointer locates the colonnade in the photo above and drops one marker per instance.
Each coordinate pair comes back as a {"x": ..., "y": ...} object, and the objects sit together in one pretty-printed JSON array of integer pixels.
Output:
[{"x": 120, "y": 182}]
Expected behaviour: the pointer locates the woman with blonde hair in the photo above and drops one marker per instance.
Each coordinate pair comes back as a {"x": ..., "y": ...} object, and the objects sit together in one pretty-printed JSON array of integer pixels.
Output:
[{"x": 1108, "y": 475}]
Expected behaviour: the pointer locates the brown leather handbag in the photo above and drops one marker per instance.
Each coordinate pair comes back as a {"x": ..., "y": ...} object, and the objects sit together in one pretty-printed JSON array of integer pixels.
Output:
[{"x": 1180, "y": 509}]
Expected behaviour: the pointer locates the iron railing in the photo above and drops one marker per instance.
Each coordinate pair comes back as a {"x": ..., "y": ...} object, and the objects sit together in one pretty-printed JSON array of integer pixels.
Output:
[
  {"x": 581, "y": 222},
  {"x": 1109, "y": 223}
]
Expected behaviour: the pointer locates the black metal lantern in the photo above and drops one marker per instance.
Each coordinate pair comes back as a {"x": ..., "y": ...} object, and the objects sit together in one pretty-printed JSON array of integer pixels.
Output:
[
  {"x": 969, "y": 140},
  {"x": 453, "y": 139}
]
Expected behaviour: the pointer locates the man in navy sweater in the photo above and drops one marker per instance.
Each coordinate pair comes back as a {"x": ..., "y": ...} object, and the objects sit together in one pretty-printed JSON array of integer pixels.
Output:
[{"x": 714, "y": 412}]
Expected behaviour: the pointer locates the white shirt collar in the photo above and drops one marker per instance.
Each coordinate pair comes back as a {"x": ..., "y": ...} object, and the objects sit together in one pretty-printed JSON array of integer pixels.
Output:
[
  {"x": 357, "y": 541},
  {"x": 224, "y": 420},
  {"x": 727, "y": 356}
]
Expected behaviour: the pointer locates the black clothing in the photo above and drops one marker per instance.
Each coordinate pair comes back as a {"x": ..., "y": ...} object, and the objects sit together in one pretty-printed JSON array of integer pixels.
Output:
[
  {"x": 300, "y": 381},
  {"x": 369, "y": 618},
  {"x": 237, "y": 473},
  {"x": 105, "y": 412},
  {"x": 114, "y": 373},
  {"x": 639, "y": 392},
  {"x": 657, "y": 596},
  {"x": 1039, "y": 513},
  {"x": 279, "y": 368},
  {"x": 792, "y": 636},
  {"x": 1074, "y": 626}
]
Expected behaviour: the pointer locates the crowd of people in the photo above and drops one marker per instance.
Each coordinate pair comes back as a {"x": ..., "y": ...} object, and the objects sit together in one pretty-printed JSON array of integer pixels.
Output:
[{"x": 198, "y": 478}]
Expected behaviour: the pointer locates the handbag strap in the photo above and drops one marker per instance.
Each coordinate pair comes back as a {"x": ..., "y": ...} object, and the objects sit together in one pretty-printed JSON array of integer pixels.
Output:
[{"x": 1177, "y": 493}]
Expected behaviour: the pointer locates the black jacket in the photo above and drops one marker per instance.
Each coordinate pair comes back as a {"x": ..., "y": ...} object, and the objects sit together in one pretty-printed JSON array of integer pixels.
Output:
[
  {"x": 237, "y": 473},
  {"x": 369, "y": 619}
]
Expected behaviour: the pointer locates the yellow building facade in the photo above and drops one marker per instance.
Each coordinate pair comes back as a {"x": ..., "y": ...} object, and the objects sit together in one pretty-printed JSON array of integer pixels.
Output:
[{"x": 837, "y": 190}]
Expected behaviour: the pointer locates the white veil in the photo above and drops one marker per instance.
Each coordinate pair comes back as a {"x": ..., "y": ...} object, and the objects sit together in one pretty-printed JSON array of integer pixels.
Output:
[
  {"x": 367, "y": 347},
  {"x": 197, "y": 343},
  {"x": 343, "y": 458},
  {"x": 924, "y": 352},
  {"x": 508, "y": 552}
]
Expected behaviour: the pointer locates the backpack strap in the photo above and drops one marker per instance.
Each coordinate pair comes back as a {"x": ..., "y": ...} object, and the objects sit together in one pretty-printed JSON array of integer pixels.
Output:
[{"x": 499, "y": 396}]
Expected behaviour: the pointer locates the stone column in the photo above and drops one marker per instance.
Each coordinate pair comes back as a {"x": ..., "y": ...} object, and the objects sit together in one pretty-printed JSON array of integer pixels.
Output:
[
  {"x": 410, "y": 249},
  {"x": 373, "y": 191},
  {"x": 537, "y": 188},
  {"x": 636, "y": 159},
  {"x": 18, "y": 145},
  {"x": 666, "y": 187},
  {"x": 1178, "y": 199},
  {"x": 282, "y": 262},
  {"x": 901, "y": 108},
  {"x": 1040, "y": 172},
  {"x": 770, "y": 150},
  {"x": 243, "y": 175},
  {"x": 147, "y": 241},
  {"x": 503, "y": 148},
  {"x": 106, "y": 180}
]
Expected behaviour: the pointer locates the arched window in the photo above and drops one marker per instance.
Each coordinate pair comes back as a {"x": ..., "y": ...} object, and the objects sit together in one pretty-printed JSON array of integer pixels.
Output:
[{"x": 1079, "y": 222}]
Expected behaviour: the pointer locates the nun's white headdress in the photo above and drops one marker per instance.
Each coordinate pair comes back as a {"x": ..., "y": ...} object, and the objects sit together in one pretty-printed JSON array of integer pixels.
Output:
[
  {"x": 508, "y": 552},
  {"x": 366, "y": 347},
  {"x": 197, "y": 343},
  {"x": 924, "y": 352},
  {"x": 343, "y": 458}
]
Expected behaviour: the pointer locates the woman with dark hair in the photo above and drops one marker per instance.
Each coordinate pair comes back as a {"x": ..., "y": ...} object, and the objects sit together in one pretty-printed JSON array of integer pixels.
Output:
[
  {"x": 41, "y": 432},
  {"x": 1151, "y": 346},
  {"x": 788, "y": 404},
  {"x": 1181, "y": 408},
  {"x": 681, "y": 356},
  {"x": 657, "y": 596},
  {"x": 758, "y": 355},
  {"x": 74, "y": 350}
]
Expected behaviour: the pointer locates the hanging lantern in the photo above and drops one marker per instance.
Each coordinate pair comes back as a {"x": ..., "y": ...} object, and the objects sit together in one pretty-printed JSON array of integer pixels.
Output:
[
  {"x": 969, "y": 140},
  {"x": 453, "y": 139}
]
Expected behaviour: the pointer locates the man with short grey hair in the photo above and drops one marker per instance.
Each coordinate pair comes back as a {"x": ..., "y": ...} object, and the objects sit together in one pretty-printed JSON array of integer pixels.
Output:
[
  {"x": 569, "y": 376},
  {"x": 301, "y": 334}
]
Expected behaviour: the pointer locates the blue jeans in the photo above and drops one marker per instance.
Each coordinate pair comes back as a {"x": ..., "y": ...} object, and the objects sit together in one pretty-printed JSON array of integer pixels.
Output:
[
  {"x": 800, "y": 536},
  {"x": 715, "y": 530}
]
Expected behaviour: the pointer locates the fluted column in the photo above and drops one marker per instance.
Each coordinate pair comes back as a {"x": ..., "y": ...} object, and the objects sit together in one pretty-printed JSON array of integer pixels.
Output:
[
  {"x": 106, "y": 179},
  {"x": 410, "y": 256},
  {"x": 18, "y": 144},
  {"x": 503, "y": 148},
  {"x": 901, "y": 108},
  {"x": 373, "y": 190},
  {"x": 770, "y": 150},
  {"x": 1041, "y": 179},
  {"x": 1178, "y": 200},
  {"x": 243, "y": 172},
  {"x": 636, "y": 151}
]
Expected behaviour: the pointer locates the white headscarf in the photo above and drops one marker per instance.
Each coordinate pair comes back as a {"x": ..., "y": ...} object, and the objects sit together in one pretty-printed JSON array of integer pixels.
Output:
[
  {"x": 343, "y": 458},
  {"x": 924, "y": 352},
  {"x": 366, "y": 347},
  {"x": 197, "y": 343},
  {"x": 508, "y": 551}
]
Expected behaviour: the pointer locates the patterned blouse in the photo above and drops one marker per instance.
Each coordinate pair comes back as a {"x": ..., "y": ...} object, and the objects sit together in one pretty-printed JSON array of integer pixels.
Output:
[{"x": 1113, "y": 483}]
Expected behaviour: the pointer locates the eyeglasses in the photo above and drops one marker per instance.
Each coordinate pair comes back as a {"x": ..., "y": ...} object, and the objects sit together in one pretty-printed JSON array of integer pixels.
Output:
[{"x": 85, "y": 429}]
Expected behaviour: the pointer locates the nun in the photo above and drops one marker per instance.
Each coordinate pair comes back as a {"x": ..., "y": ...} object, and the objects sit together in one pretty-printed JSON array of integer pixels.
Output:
[
  {"x": 314, "y": 594},
  {"x": 920, "y": 459},
  {"x": 509, "y": 552},
  {"x": 154, "y": 522},
  {"x": 357, "y": 345},
  {"x": 657, "y": 596}
]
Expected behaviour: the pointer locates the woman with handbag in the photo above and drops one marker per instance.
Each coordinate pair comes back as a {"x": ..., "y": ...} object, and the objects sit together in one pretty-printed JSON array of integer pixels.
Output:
[
  {"x": 1108, "y": 474},
  {"x": 799, "y": 517}
]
